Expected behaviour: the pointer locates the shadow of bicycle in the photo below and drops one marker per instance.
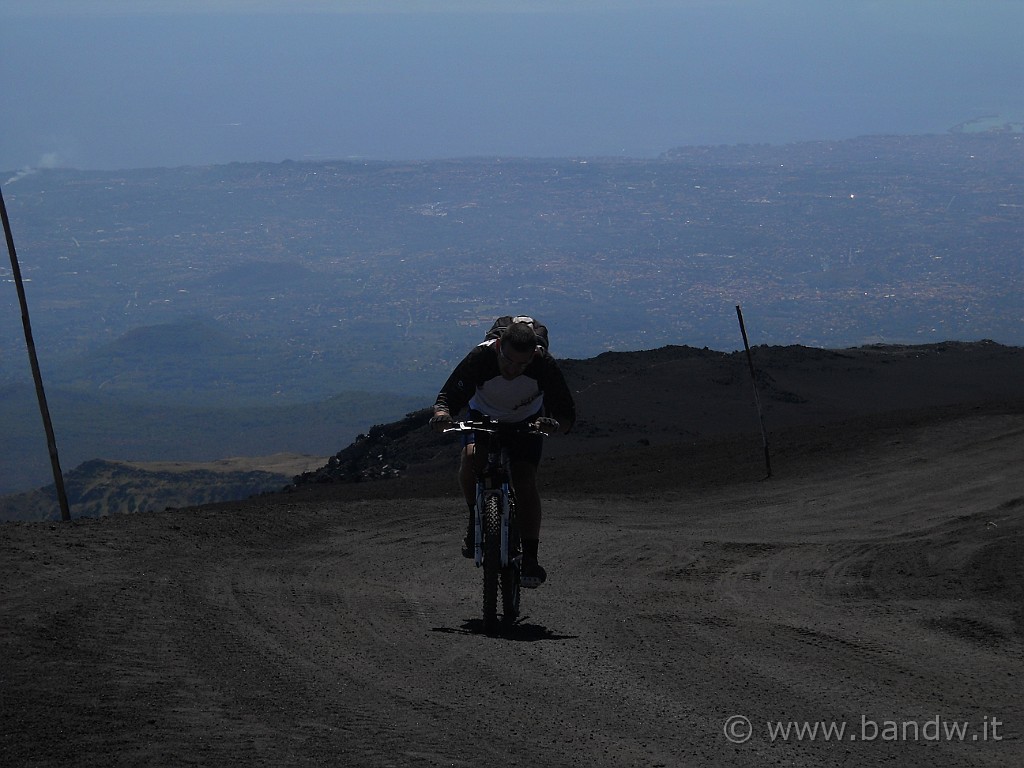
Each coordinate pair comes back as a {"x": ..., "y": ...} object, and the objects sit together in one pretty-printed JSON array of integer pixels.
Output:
[{"x": 521, "y": 631}]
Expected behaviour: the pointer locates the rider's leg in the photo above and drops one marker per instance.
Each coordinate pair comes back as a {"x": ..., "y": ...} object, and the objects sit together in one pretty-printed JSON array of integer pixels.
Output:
[
  {"x": 467, "y": 481},
  {"x": 467, "y": 474},
  {"x": 524, "y": 477}
]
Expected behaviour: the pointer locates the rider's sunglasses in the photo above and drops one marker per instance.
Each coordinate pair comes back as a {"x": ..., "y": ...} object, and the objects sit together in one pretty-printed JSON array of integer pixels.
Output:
[{"x": 513, "y": 363}]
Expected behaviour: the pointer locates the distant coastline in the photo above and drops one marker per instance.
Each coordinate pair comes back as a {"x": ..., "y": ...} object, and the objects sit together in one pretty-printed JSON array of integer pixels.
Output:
[{"x": 989, "y": 124}]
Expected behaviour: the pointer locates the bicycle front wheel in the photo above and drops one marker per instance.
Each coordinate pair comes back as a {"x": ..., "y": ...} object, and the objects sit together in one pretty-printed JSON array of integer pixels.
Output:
[{"x": 492, "y": 559}]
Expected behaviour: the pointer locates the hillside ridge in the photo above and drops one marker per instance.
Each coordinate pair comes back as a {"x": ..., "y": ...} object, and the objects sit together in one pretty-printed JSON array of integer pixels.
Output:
[
  {"x": 669, "y": 403},
  {"x": 686, "y": 395}
]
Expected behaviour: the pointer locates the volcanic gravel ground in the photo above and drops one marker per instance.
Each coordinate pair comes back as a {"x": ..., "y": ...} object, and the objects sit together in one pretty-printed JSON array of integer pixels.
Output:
[{"x": 873, "y": 585}]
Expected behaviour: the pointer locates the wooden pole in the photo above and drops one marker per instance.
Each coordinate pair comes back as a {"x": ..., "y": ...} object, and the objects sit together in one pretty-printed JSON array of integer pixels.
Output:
[
  {"x": 51, "y": 441},
  {"x": 757, "y": 399}
]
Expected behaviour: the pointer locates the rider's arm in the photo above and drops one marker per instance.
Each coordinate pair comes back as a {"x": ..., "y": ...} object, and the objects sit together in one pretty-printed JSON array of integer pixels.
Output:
[
  {"x": 558, "y": 400},
  {"x": 461, "y": 384},
  {"x": 442, "y": 417}
]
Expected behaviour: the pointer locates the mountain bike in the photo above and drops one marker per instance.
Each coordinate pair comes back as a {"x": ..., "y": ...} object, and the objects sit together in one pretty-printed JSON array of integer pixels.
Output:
[{"x": 496, "y": 546}]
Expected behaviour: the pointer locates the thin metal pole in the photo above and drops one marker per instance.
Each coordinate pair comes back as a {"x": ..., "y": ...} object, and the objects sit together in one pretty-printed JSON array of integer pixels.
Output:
[
  {"x": 51, "y": 441},
  {"x": 757, "y": 399}
]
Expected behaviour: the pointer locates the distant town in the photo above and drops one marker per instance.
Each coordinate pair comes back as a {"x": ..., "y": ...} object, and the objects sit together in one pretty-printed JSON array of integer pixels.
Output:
[
  {"x": 238, "y": 310},
  {"x": 378, "y": 275}
]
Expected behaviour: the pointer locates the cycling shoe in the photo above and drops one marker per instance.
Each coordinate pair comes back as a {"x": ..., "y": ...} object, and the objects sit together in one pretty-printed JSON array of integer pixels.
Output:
[{"x": 532, "y": 576}]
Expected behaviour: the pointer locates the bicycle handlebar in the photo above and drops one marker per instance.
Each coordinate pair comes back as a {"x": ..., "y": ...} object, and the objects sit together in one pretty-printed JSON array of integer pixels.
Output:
[{"x": 494, "y": 427}]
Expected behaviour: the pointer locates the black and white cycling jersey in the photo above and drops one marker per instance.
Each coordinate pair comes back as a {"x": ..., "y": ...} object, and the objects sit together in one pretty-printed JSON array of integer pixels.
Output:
[{"x": 540, "y": 390}]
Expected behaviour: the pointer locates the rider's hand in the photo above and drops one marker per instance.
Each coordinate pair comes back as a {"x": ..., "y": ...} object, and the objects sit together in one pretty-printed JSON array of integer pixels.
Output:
[
  {"x": 440, "y": 421},
  {"x": 546, "y": 425}
]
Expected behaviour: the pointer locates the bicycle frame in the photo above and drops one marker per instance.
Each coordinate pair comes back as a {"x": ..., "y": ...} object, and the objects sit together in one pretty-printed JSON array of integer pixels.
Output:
[
  {"x": 496, "y": 545},
  {"x": 493, "y": 478}
]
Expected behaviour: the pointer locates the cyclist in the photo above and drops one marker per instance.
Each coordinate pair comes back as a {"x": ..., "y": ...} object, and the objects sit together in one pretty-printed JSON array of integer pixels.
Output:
[{"x": 509, "y": 379}]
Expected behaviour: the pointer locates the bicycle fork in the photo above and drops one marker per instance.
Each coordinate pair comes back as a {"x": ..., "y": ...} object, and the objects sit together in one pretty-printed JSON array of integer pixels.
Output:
[
  {"x": 506, "y": 516},
  {"x": 478, "y": 526}
]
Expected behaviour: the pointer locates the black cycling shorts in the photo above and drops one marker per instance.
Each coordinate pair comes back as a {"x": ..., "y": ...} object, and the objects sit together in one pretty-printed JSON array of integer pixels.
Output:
[{"x": 523, "y": 447}]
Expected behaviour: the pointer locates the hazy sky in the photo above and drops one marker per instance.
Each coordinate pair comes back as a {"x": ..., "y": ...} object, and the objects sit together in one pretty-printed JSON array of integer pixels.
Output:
[{"x": 130, "y": 83}]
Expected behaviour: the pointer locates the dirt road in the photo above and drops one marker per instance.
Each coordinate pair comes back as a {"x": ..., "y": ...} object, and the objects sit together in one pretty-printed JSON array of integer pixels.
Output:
[{"x": 877, "y": 593}]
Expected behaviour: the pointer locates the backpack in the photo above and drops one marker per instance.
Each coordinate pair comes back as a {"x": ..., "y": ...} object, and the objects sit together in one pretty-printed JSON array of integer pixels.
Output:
[{"x": 505, "y": 321}]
